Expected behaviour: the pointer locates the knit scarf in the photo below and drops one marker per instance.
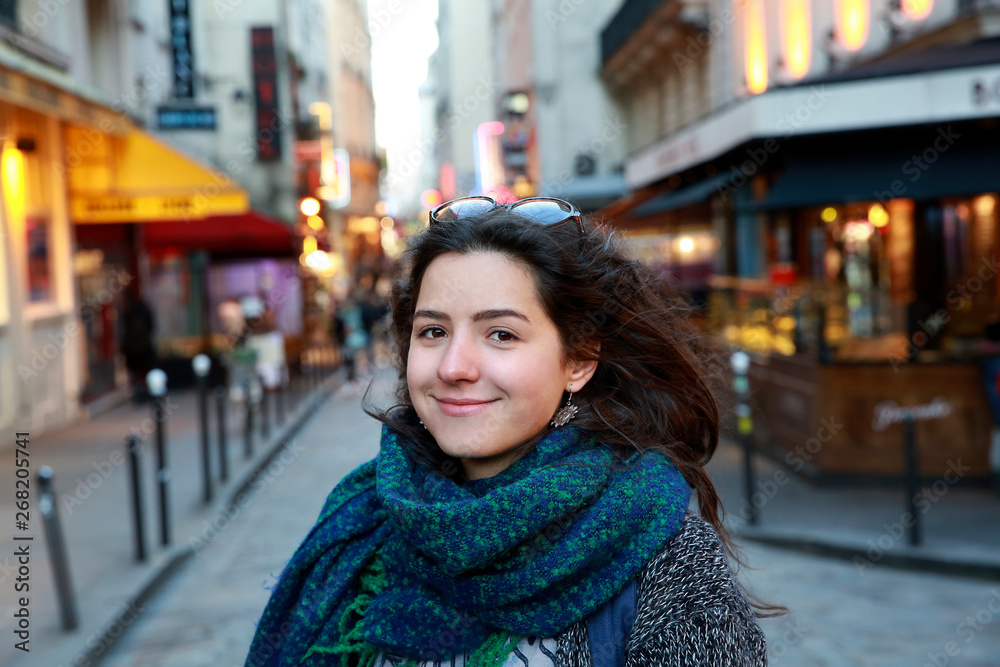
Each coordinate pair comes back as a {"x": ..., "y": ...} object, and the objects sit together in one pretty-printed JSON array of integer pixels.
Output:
[{"x": 530, "y": 551}]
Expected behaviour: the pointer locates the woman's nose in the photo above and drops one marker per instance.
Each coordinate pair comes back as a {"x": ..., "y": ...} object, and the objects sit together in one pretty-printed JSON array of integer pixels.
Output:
[{"x": 460, "y": 360}]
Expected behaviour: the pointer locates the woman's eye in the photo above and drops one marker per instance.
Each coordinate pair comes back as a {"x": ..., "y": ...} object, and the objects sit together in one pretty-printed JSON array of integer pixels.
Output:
[
  {"x": 423, "y": 331},
  {"x": 511, "y": 337}
]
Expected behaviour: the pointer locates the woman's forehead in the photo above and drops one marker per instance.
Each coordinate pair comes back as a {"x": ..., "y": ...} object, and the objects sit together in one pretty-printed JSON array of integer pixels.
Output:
[{"x": 467, "y": 285}]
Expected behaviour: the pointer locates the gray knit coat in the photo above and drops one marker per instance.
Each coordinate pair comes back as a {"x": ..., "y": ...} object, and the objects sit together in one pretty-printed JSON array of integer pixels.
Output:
[{"x": 690, "y": 611}]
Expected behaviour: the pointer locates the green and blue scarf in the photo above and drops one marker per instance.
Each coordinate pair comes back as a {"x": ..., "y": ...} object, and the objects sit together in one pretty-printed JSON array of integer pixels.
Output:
[{"x": 529, "y": 552}]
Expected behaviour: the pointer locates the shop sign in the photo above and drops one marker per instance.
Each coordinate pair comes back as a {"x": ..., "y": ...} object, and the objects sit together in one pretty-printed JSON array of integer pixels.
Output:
[
  {"x": 148, "y": 208},
  {"x": 265, "y": 86},
  {"x": 308, "y": 151},
  {"x": 193, "y": 118},
  {"x": 890, "y": 412},
  {"x": 183, "y": 54}
]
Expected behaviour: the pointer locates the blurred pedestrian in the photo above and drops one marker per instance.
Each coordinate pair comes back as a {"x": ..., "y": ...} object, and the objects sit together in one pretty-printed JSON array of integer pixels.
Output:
[
  {"x": 529, "y": 502},
  {"x": 351, "y": 334},
  {"x": 372, "y": 311},
  {"x": 138, "y": 329},
  {"x": 268, "y": 342}
]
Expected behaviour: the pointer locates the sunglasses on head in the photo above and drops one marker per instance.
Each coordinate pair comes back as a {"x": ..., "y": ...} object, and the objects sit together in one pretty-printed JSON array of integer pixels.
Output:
[{"x": 543, "y": 210}]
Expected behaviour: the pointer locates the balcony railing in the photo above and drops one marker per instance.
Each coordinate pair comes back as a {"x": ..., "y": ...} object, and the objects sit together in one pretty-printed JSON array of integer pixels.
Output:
[{"x": 631, "y": 15}]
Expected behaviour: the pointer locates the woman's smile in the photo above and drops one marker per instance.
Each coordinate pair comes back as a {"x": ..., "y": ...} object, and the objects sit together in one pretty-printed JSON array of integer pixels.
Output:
[{"x": 462, "y": 407}]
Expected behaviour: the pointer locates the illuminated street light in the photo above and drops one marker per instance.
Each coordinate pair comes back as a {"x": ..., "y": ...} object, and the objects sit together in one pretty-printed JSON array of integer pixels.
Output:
[{"x": 309, "y": 206}]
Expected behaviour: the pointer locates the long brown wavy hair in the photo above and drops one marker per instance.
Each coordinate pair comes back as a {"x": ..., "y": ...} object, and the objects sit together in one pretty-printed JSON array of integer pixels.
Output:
[{"x": 657, "y": 377}]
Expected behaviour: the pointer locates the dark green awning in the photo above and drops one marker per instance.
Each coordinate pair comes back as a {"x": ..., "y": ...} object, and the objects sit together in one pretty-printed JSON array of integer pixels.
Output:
[
  {"x": 693, "y": 194},
  {"x": 921, "y": 173}
]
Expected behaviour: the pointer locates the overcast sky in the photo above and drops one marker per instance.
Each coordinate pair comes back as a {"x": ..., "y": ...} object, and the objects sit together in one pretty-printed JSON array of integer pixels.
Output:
[{"x": 403, "y": 37}]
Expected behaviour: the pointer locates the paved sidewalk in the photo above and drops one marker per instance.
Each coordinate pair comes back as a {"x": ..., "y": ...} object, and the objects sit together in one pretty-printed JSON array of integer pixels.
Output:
[
  {"x": 866, "y": 526},
  {"x": 93, "y": 492}
]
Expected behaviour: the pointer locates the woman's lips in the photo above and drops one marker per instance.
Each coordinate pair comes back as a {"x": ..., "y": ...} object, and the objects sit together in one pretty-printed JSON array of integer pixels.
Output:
[{"x": 455, "y": 410}]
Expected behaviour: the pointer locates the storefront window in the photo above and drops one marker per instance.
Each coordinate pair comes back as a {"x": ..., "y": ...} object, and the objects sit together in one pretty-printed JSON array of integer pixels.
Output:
[{"x": 897, "y": 283}]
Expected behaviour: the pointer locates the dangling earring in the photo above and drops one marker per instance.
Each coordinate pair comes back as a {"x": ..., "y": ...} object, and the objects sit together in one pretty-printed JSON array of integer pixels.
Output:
[
  {"x": 566, "y": 412},
  {"x": 421, "y": 423}
]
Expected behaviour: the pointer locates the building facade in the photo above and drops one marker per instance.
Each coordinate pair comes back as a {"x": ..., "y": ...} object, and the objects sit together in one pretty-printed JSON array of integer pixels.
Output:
[
  {"x": 822, "y": 176},
  {"x": 520, "y": 107},
  {"x": 159, "y": 152}
]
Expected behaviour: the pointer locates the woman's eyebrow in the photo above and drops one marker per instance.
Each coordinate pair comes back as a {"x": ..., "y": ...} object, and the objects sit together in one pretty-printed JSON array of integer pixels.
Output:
[{"x": 491, "y": 314}]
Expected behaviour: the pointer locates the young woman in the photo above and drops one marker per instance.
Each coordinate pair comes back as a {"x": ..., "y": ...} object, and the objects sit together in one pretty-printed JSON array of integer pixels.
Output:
[{"x": 529, "y": 502}]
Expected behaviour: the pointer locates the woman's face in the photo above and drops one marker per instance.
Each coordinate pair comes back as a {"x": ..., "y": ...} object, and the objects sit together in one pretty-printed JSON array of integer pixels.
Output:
[{"x": 480, "y": 334}]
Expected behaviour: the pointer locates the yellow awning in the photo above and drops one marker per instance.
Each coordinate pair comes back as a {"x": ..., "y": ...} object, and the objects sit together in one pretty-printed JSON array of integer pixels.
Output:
[{"x": 136, "y": 178}]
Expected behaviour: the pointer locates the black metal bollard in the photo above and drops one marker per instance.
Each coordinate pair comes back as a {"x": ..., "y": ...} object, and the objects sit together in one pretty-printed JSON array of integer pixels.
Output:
[
  {"x": 206, "y": 456},
  {"x": 746, "y": 440},
  {"x": 57, "y": 549},
  {"x": 248, "y": 402},
  {"x": 162, "y": 469},
  {"x": 221, "y": 395},
  {"x": 265, "y": 413},
  {"x": 740, "y": 363},
  {"x": 132, "y": 444},
  {"x": 279, "y": 401},
  {"x": 912, "y": 478}
]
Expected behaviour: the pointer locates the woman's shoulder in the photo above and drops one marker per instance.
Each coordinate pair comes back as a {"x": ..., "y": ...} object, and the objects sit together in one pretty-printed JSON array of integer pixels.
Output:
[
  {"x": 690, "y": 609},
  {"x": 688, "y": 600},
  {"x": 692, "y": 568}
]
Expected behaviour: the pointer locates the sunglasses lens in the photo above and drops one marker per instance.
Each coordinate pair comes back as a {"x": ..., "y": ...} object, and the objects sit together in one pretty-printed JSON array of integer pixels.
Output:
[
  {"x": 544, "y": 211},
  {"x": 463, "y": 208}
]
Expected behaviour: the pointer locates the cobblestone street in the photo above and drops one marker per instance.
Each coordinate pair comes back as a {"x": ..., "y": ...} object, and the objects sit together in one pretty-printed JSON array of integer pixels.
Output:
[{"x": 839, "y": 616}]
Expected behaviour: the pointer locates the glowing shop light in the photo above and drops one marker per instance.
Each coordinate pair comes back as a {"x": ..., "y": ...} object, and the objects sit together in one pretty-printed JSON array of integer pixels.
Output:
[
  {"x": 319, "y": 260},
  {"x": 852, "y": 23},
  {"x": 309, "y": 206},
  {"x": 829, "y": 214},
  {"x": 489, "y": 155},
  {"x": 309, "y": 245},
  {"x": 916, "y": 10},
  {"x": 755, "y": 44},
  {"x": 797, "y": 37},
  {"x": 878, "y": 216},
  {"x": 686, "y": 244},
  {"x": 430, "y": 199}
]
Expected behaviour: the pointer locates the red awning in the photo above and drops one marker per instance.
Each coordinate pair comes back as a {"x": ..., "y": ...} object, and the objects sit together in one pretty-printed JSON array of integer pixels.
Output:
[{"x": 250, "y": 233}]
